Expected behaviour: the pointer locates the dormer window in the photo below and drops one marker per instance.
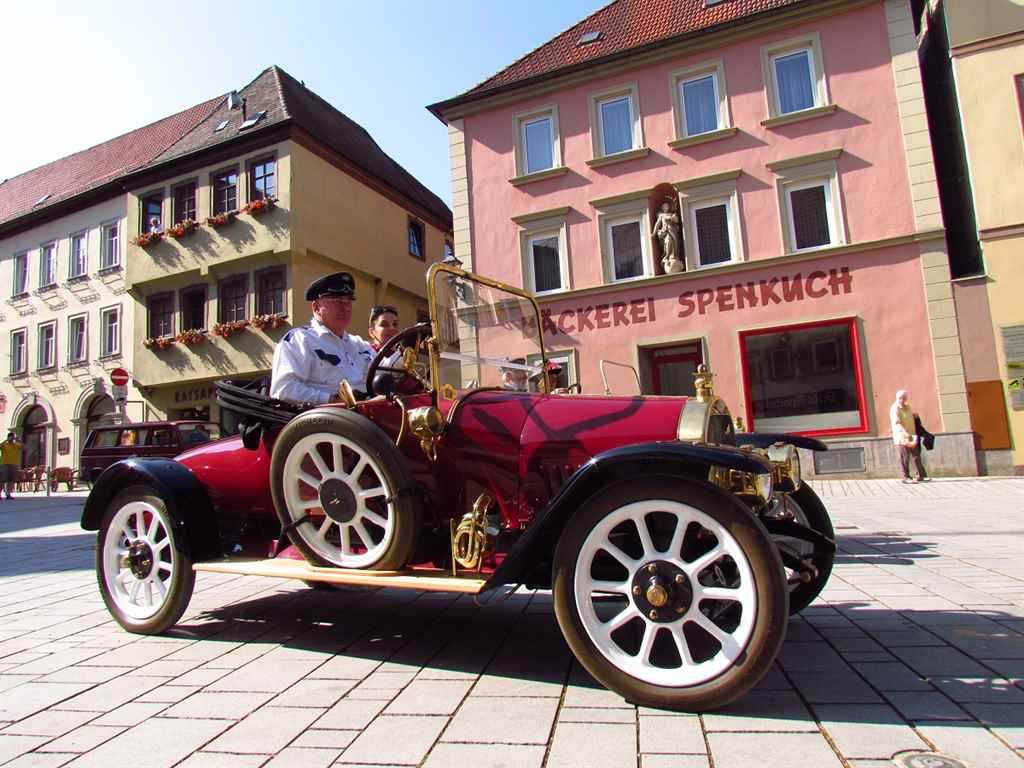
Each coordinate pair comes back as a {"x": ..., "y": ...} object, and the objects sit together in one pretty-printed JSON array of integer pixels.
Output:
[{"x": 252, "y": 121}]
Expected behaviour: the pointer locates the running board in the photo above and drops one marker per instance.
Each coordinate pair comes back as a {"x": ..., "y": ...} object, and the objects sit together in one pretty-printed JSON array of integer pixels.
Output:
[{"x": 284, "y": 568}]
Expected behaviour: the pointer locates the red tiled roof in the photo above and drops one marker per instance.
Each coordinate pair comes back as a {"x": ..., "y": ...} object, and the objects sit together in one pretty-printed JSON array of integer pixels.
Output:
[
  {"x": 283, "y": 99},
  {"x": 90, "y": 168},
  {"x": 624, "y": 25}
]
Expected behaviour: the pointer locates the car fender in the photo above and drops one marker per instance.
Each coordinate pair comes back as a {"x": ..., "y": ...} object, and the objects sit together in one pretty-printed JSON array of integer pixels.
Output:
[
  {"x": 768, "y": 439},
  {"x": 186, "y": 499},
  {"x": 683, "y": 460}
]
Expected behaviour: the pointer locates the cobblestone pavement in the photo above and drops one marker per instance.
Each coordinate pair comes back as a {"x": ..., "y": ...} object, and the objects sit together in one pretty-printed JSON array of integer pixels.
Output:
[{"x": 917, "y": 644}]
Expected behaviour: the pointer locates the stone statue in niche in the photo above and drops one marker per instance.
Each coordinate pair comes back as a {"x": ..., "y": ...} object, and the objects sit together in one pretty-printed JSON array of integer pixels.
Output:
[{"x": 666, "y": 229}]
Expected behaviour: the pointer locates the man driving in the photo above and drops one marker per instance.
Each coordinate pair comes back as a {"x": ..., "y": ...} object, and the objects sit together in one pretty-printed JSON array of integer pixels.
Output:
[{"x": 310, "y": 362}]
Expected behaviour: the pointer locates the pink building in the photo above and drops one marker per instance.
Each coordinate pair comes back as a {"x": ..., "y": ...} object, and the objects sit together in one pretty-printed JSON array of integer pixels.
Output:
[{"x": 788, "y": 138}]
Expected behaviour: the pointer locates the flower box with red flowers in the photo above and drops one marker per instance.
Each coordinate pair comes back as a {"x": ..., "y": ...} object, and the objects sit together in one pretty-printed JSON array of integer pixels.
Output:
[
  {"x": 224, "y": 330},
  {"x": 161, "y": 342},
  {"x": 221, "y": 219},
  {"x": 257, "y": 207},
  {"x": 148, "y": 238},
  {"x": 269, "y": 322},
  {"x": 182, "y": 229},
  {"x": 192, "y": 337}
]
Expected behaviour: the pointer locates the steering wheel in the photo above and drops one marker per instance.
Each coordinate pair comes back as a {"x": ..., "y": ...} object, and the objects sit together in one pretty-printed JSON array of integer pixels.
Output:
[{"x": 410, "y": 337}]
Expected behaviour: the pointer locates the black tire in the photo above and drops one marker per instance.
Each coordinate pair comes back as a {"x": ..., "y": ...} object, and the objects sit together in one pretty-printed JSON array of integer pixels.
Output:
[
  {"x": 815, "y": 517},
  {"x": 768, "y": 594},
  {"x": 117, "y": 594},
  {"x": 401, "y": 505}
]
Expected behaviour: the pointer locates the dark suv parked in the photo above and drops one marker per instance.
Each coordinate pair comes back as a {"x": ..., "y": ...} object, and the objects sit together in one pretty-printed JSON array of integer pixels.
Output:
[{"x": 149, "y": 439}]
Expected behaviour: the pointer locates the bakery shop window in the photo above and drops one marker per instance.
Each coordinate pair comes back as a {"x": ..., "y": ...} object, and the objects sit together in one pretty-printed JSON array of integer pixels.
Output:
[{"x": 804, "y": 378}]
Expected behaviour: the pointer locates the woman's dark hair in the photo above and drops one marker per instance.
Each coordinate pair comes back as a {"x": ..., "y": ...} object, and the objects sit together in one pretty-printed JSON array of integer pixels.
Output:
[{"x": 381, "y": 309}]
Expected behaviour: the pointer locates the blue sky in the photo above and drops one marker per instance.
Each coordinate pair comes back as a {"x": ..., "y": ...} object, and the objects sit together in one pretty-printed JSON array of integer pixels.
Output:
[{"x": 81, "y": 73}]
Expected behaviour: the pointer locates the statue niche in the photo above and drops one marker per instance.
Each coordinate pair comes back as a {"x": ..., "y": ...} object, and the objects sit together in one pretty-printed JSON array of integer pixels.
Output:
[{"x": 667, "y": 232}]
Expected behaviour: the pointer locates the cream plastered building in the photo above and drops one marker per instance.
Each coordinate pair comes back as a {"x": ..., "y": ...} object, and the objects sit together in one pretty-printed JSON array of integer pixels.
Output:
[
  {"x": 339, "y": 203},
  {"x": 978, "y": 45},
  {"x": 66, "y": 318},
  {"x": 67, "y": 322}
]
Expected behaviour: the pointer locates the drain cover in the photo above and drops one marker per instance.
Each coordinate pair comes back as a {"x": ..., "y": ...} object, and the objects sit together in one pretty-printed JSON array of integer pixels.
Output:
[{"x": 927, "y": 760}]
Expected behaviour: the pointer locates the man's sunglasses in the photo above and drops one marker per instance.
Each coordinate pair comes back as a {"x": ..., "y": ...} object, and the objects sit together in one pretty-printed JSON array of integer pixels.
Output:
[{"x": 382, "y": 309}]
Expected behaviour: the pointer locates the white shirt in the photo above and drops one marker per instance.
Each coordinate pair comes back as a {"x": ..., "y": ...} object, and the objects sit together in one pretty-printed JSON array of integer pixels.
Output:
[{"x": 310, "y": 362}]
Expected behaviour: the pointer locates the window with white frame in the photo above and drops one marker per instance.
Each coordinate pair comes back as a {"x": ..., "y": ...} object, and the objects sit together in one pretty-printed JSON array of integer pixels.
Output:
[
  {"x": 20, "y": 287},
  {"x": 110, "y": 245},
  {"x": 794, "y": 76},
  {"x": 543, "y": 247},
  {"x": 538, "y": 142},
  {"x": 79, "y": 259},
  {"x": 616, "y": 117},
  {"x": 19, "y": 350},
  {"x": 47, "y": 265},
  {"x": 809, "y": 201},
  {"x": 794, "y": 83},
  {"x": 615, "y": 121},
  {"x": 624, "y": 234},
  {"x": 810, "y": 214},
  {"x": 699, "y": 99},
  {"x": 699, "y": 96},
  {"x": 545, "y": 263},
  {"x": 712, "y": 224},
  {"x": 626, "y": 253},
  {"x": 47, "y": 345},
  {"x": 110, "y": 331},
  {"x": 77, "y": 339}
]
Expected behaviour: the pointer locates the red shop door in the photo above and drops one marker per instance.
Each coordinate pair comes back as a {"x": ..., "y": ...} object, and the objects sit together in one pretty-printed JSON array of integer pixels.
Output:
[{"x": 672, "y": 369}]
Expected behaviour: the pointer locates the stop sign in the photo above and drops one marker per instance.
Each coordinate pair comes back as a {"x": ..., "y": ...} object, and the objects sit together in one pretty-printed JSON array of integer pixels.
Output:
[{"x": 119, "y": 377}]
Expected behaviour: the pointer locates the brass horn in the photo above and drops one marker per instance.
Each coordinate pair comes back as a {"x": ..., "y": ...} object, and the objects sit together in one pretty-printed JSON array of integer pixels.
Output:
[{"x": 473, "y": 538}]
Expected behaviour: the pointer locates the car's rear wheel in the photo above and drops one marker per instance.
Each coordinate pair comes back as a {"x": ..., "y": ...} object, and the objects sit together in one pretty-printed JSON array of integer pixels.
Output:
[
  {"x": 808, "y": 510},
  {"x": 145, "y": 577},
  {"x": 670, "y": 594},
  {"x": 343, "y": 492}
]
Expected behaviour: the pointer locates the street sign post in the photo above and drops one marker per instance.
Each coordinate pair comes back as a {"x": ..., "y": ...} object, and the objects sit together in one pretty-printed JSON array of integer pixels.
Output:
[{"x": 119, "y": 378}]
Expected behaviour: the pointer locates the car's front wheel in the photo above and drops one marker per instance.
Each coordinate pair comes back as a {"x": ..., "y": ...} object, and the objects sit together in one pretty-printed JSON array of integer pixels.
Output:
[
  {"x": 809, "y": 512},
  {"x": 670, "y": 594},
  {"x": 145, "y": 578}
]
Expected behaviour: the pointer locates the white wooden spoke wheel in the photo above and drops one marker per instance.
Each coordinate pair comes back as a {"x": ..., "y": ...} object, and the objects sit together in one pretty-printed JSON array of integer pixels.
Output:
[
  {"x": 145, "y": 577},
  {"x": 345, "y": 497},
  {"x": 670, "y": 592},
  {"x": 679, "y": 608},
  {"x": 139, "y": 559}
]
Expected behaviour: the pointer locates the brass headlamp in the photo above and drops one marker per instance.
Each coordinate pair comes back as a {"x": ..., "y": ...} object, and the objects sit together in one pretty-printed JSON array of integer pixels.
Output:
[
  {"x": 427, "y": 423},
  {"x": 785, "y": 467}
]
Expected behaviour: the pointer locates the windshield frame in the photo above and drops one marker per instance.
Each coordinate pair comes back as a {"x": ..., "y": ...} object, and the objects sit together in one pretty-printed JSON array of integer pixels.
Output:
[{"x": 446, "y": 391}]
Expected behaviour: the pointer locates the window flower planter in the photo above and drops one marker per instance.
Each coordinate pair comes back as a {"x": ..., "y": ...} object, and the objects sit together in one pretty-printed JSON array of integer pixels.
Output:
[
  {"x": 224, "y": 330},
  {"x": 191, "y": 337},
  {"x": 162, "y": 342},
  {"x": 147, "y": 239},
  {"x": 261, "y": 206},
  {"x": 269, "y": 322},
  {"x": 221, "y": 219},
  {"x": 182, "y": 229}
]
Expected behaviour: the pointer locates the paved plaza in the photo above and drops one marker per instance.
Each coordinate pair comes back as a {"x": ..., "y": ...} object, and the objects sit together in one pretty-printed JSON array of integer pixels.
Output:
[{"x": 916, "y": 644}]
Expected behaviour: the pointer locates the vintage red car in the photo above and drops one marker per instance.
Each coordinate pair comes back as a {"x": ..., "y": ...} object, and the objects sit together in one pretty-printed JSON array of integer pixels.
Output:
[{"x": 675, "y": 548}]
